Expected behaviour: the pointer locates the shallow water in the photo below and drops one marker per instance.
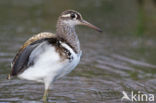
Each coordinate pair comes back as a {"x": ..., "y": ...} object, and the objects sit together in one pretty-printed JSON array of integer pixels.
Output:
[{"x": 114, "y": 61}]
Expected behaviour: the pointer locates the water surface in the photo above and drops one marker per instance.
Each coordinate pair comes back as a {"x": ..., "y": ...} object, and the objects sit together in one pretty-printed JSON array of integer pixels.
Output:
[{"x": 122, "y": 58}]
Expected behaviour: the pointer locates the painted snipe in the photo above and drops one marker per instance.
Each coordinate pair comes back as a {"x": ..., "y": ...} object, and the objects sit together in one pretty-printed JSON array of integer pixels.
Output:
[{"x": 47, "y": 57}]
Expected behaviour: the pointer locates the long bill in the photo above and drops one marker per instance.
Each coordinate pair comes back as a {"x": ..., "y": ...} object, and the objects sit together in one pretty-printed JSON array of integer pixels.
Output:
[{"x": 83, "y": 22}]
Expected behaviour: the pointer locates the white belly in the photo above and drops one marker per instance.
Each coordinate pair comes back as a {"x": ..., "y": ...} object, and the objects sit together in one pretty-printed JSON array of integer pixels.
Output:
[{"x": 49, "y": 66}]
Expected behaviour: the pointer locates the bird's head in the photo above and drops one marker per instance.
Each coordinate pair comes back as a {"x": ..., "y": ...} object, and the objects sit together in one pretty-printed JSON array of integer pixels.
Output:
[{"x": 72, "y": 18}]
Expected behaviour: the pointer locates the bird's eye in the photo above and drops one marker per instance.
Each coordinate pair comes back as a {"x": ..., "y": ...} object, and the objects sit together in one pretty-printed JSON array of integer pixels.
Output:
[{"x": 72, "y": 16}]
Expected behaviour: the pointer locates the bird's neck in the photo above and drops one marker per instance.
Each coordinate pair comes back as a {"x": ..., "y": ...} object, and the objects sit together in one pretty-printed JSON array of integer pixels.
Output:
[{"x": 68, "y": 33}]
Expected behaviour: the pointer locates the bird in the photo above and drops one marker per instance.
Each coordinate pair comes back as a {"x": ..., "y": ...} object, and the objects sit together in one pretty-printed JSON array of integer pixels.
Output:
[{"x": 46, "y": 57}]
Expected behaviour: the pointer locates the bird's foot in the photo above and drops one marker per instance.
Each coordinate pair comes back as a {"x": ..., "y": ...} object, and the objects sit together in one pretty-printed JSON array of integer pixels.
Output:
[
  {"x": 45, "y": 99},
  {"x": 8, "y": 77},
  {"x": 45, "y": 96}
]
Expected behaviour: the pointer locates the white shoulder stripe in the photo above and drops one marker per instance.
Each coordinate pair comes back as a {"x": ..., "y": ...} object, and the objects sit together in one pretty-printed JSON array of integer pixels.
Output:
[{"x": 68, "y": 47}]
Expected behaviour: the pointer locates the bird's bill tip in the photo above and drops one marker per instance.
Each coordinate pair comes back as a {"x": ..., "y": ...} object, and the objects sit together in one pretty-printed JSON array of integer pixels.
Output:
[{"x": 83, "y": 22}]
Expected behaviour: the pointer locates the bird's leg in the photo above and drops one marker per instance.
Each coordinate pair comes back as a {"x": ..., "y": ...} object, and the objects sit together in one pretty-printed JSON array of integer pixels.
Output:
[
  {"x": 47, "y": 82},
  {"x": 45, "y": 96}
]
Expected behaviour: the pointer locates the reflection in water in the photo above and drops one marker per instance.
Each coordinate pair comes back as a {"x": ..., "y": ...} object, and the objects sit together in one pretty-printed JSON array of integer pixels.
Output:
[{"x": 112, "y": 62}]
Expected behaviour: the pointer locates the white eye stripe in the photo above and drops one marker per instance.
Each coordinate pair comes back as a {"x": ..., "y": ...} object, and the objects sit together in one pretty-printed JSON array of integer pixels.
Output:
[{"x": 67, "y": 15}]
